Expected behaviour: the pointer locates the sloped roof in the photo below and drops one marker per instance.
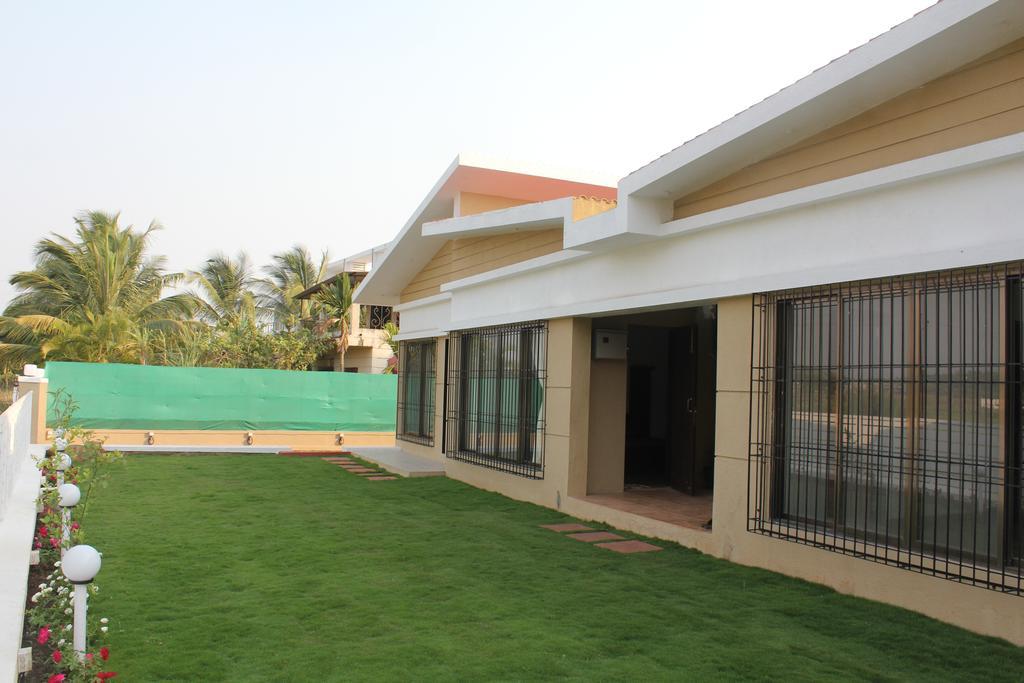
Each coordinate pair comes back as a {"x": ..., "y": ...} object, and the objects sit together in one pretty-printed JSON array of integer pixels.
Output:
[
  {"x": 932, "y": 43},
  {"x": 411, "y": 250}
]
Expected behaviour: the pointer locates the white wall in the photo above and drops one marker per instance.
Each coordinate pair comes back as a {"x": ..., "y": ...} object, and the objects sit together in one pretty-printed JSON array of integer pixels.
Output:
[
  {"x": 964, "y": 217},
  {"x": 19, "y": 488}
]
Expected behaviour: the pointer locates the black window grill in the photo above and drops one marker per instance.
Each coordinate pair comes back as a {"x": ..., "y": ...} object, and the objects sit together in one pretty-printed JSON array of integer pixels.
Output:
[
  {"x": 375, "y": 317},
  {"x": 416, "y": 390},
  {"x": 495, "y": 412},
  {"x": 886, "y": 419}
]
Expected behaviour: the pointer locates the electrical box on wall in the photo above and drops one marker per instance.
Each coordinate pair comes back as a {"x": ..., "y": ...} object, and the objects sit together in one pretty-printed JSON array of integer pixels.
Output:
[{"x": 609, "y": 344}]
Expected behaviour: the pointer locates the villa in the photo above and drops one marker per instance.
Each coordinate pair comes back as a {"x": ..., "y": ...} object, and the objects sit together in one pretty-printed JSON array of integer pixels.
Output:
[
  {"x": 794, "y": 342},
  {"x": 368, "y": 348}
]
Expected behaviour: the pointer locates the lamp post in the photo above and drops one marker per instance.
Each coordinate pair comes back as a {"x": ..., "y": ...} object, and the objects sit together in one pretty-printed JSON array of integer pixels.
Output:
[
  {"x": 81, "y": 564},
  {"x": 69, "y": 497},
  {"x": 63, "y": 464}
]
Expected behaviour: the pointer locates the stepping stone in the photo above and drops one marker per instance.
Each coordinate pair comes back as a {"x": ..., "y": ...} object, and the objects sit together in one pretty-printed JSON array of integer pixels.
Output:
[
  {"x": 593, "y": 536},
  {"x": 630, "y": 547},
  {"x": 361, "y": 470},
  {"x": 566, "y": 527},
  {"x": 381, "y": 478}
]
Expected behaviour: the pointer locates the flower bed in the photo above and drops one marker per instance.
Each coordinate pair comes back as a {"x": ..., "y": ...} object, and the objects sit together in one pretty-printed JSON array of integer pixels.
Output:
[{"x": 50, "y": 609}]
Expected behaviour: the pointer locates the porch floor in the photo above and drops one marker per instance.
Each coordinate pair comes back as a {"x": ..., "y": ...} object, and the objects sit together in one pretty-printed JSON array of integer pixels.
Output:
[
  {"x": 399, "y": 462},
  {"x": 663, "y": 504}
]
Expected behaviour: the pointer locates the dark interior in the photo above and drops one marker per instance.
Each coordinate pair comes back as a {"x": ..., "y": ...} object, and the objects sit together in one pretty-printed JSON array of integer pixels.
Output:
[{"x": 670, "y": 399}]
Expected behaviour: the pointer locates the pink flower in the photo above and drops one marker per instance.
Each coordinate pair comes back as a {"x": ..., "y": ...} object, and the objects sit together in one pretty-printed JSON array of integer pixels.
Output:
[
  {"x": 104, "y": 653},
  {"x": 54, "y": 542},
  {"x": 57, "y": 656},
  {"x": 104, "y": 675},
  {"x": 55, "y": 678},
  {"x": 74, "y": 526},
  {"x": 44, "y": 635},
  {"x": 89, "y": 655}
]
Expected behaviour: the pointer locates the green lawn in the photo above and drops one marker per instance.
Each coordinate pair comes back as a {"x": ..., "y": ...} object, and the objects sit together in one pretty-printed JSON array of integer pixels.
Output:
[{"x": 249, "y": 568}]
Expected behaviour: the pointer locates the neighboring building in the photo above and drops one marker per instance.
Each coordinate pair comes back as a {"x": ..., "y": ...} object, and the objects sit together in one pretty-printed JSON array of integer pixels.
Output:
[
  {"x": 368, "y": 347},
  {"x": 804, "y": 325}
]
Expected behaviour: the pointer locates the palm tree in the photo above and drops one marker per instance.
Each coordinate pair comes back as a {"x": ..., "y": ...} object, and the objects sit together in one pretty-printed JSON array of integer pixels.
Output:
[
  {"x": 334, "y": 304},
  {"x": 390, "y": 332},
  {"x": 96, "y": 297},
  {"x": 291, "y": 273},
  {"x": 226, "y": 290}
]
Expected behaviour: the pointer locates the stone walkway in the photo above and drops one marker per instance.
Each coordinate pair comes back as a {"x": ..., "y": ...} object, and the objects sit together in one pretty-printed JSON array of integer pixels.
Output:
[
  {"x": 361, "y": 469},
  {"x": 602, "y": 539}
]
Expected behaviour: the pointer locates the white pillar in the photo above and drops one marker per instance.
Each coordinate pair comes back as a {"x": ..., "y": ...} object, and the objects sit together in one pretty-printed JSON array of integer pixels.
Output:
[
  {"x": 65, "y": 530},
  {"x": 81, "y": 606}
]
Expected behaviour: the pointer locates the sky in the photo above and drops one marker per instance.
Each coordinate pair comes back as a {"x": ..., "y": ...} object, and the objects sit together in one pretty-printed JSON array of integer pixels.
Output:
[{"x": 258, "y": 125}]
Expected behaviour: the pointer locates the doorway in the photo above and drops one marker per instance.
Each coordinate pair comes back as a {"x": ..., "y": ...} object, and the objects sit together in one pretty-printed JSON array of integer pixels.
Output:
[{"x": 670, "y": 400}]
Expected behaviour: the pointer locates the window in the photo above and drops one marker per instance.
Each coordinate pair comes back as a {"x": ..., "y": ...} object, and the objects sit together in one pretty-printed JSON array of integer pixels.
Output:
[
  {"x": 496, "y": 397},
  {"x": 375, "y": 317},
  {"x": 415, "y": 421},
  {"x": 886, "y": 421}
]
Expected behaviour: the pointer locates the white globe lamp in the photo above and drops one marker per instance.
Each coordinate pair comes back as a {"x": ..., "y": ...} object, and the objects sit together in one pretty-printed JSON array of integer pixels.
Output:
[
  {"x": 69, "y": 495},
  {"x": 80, "y": 565}
]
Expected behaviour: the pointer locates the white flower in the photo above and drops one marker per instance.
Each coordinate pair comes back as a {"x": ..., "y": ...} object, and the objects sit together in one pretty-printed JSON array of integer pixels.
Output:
[
  {"x": 60, "y": 643},
  {"x": 42, "y": 585},
  {"x": 35, "y": 598},
  {"x": 68, "y": 627},
  {"x": 56, "y": 564},
  {"x": 104, "y": 620},
  {"x": 67, "y": 611},
  {"x": 103, "y": 628}
]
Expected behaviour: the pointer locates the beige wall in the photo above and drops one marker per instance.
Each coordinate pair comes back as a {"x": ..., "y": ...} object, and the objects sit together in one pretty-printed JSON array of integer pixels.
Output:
[
  {"x": 469, "y": 203},
  {"x": 981, "y": 101},
  {"x": 607, "y": 424},
  {"x": 297, "y": 440},
  {"x": 581, "y": 400},
  {"x": 463, "y": 257},
  {"x": 38, "y": 388}
]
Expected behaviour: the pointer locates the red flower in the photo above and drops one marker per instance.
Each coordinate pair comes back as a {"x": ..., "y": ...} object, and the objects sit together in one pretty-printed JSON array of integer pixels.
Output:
[
  {"x": 43, "y": 531},
  {"x": 55, "y": 678},
  {"x": 44, "y": 635},
  {"x": 57, "y": 656},
  {"x": 104, "y": 653},
  {"x": 104, "y": 675},
  {"x": 38, "y": 544},
  {"x": 74, "y": 526},
  {"x": 54, "y": 541}
]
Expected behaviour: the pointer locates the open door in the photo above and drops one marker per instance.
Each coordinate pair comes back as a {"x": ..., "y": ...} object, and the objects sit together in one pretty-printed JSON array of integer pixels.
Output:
[{"x": 682, "y": 406}]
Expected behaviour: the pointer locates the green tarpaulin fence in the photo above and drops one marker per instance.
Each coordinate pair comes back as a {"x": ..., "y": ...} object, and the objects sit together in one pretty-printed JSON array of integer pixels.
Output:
[{"x": 113, "y": 396}]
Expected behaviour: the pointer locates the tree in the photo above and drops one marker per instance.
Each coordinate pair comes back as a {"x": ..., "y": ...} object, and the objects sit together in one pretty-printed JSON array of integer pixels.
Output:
[
  {"x": 97, "y": 297},
  {"x": 390, "y": 332},
  {"x": 226, "y": 290},
  {"x": 291, "y": 273},
  {"x": 334, "y": 308}
]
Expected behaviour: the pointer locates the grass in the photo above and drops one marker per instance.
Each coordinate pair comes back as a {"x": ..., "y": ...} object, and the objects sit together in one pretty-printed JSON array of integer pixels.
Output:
[{"x": 249, "y": 568}]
